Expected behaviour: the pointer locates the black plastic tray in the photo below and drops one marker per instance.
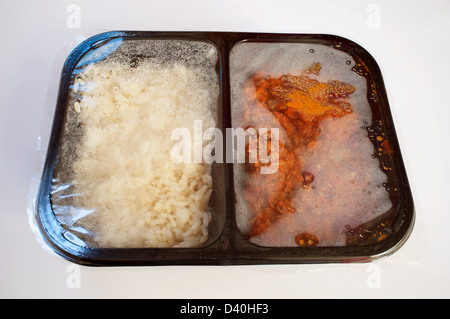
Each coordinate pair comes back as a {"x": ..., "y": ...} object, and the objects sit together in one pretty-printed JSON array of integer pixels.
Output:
[{"x": 229, "y": 246}]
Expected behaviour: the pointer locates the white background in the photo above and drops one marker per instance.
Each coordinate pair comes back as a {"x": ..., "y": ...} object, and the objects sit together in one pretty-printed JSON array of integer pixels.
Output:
[{"x": 411, "y": 43}]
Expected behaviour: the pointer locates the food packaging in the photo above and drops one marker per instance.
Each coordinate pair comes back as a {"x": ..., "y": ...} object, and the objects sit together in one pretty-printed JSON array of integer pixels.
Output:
[{"x": 120, "y": 186}]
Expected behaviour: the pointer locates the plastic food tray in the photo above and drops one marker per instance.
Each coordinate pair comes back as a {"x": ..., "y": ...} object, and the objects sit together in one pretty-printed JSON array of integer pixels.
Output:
[{"x": 380, "y": 237}]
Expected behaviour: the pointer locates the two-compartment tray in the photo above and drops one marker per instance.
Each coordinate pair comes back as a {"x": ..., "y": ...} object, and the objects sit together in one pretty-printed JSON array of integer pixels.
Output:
[{"x": 226, "y": 244}]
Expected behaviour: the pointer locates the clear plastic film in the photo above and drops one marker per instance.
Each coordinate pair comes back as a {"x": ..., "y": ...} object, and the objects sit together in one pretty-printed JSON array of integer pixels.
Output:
[
  {"x": 42, "y": 140},
  {"x": 131, "y": 177}
]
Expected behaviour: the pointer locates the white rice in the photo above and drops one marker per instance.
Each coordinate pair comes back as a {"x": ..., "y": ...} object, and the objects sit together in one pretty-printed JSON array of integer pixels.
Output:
[{"x": 124, "y": 171}]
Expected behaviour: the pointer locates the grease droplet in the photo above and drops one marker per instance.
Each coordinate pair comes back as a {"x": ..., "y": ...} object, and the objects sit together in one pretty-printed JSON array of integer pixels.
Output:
[{"x": 305, "y": 240}]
